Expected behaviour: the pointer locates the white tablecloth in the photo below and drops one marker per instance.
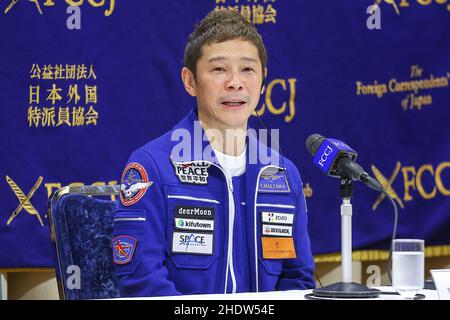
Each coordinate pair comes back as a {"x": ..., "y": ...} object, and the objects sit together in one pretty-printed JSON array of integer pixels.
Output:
[{"x": 283, "y": 295}]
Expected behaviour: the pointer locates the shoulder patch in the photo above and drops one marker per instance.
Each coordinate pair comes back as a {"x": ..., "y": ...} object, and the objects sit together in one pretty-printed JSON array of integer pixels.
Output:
[
  {"x": 123, "y": 249},
  {"x": 134, "y": 184}
]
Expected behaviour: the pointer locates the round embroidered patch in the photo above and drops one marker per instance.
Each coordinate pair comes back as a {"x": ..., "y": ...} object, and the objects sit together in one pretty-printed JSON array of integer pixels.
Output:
[{"x": 134, "y": 184}]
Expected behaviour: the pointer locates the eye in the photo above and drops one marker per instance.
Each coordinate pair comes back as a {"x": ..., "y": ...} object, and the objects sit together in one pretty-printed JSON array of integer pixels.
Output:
[
  {"x": 219, "y": 69},
  {"x": 248, "y": 69}
]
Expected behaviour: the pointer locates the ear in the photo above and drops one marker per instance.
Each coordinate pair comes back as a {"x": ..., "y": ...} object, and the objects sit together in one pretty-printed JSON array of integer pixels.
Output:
[
  {"x": 189, "y": 81},
  {"x": 263, "y": 85}
]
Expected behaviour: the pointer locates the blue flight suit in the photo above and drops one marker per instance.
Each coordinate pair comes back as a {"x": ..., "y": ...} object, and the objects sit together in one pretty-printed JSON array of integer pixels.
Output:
[{"x": 183, "y": 227}]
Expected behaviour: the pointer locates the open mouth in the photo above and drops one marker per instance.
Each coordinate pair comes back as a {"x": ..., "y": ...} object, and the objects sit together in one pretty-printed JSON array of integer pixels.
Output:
[{"x": 233, "y": 103}]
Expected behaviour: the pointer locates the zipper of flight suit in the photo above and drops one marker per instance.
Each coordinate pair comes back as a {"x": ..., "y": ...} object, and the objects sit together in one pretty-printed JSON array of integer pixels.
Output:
[{"x": 231, "y": 209}]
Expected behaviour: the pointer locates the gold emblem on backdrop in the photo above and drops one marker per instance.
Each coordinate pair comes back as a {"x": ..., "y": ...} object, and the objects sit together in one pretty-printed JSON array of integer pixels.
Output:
[
  {"x": 24, "y": 200},
  {"x": 413, "y": 182},
  {"x": 75, "y": 3},
  {"x": 400, "y": 5},
  {"x": 387, "y": 185}
]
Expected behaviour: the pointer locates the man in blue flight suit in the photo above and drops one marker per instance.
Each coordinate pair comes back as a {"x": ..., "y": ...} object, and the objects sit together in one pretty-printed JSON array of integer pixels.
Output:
[{"x": 200, "y": 211}]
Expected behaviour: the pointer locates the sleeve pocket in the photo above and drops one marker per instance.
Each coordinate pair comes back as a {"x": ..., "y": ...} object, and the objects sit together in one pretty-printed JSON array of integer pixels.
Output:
[{"x": 126, "y": 243}]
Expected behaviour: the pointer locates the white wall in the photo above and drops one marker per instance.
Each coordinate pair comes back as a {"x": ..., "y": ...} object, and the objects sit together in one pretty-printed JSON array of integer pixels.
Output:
[{"x": 32, "y": 286}]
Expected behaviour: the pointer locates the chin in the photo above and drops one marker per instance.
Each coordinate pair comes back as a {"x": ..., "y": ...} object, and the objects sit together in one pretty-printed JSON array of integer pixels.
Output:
[{"x": 235, "y": 121}]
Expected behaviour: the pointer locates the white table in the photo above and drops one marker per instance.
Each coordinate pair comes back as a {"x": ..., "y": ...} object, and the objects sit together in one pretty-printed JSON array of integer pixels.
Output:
[{"x": 282, "y": 295}]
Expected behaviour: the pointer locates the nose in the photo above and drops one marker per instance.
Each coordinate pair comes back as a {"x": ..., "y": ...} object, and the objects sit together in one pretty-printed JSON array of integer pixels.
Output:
[{"x": 235, "y": 82}]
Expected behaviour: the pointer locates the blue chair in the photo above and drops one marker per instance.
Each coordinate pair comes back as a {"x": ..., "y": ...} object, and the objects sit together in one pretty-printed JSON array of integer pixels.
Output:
[{"x": 81, "y": 232}]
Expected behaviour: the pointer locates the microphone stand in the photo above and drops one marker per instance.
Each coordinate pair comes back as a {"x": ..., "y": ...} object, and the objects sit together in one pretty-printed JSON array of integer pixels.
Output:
[{"x": 346, "y": 288}]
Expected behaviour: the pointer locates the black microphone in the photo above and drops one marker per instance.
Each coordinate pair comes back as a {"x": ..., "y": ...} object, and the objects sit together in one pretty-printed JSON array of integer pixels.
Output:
[{"x": 337, "y": 159}]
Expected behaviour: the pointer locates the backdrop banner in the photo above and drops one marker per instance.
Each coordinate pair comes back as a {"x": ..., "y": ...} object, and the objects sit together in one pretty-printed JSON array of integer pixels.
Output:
[{"x": 84, "y": 83}]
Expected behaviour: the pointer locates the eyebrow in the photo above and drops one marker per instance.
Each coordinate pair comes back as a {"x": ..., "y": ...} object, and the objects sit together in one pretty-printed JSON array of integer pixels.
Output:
[{"x": 222, "y": 58}]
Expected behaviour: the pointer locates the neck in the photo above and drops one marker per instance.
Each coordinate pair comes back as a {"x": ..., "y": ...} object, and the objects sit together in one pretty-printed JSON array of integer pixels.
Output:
[{"x": 230, "y": 141}]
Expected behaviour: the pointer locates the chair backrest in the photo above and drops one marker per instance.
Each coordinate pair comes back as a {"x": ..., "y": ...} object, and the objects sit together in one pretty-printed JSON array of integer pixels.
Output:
[{"x": 81, "y": 231}]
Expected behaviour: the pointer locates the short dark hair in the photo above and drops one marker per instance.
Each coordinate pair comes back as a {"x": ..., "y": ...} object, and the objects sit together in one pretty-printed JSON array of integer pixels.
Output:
[{"x": 220, "y": 26}]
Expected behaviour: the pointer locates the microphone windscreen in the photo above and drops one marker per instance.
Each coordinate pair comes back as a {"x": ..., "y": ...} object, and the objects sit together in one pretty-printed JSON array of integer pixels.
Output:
[{"x": 313, "y": 143}]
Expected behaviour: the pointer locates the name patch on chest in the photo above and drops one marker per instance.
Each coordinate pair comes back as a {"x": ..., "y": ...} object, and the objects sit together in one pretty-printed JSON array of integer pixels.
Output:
[{"x": 276, "y": 182}]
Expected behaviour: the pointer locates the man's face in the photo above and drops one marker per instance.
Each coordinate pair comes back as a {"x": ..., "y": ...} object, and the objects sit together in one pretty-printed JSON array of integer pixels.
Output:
[{"x": 227, "y": 83}]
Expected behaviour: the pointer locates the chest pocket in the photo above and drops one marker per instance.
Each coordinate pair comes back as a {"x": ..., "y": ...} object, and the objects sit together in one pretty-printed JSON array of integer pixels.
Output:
[
  {"x": 194, "y": 227},
  {"x": 276, "y": 217}
]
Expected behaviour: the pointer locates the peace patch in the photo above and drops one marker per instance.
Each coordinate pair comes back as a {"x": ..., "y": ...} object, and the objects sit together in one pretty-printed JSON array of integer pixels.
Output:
[
  {"x": 123, "y": 249},
  {"x": 192, "y": 172},
  {"x": 134, "y": 184}
]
